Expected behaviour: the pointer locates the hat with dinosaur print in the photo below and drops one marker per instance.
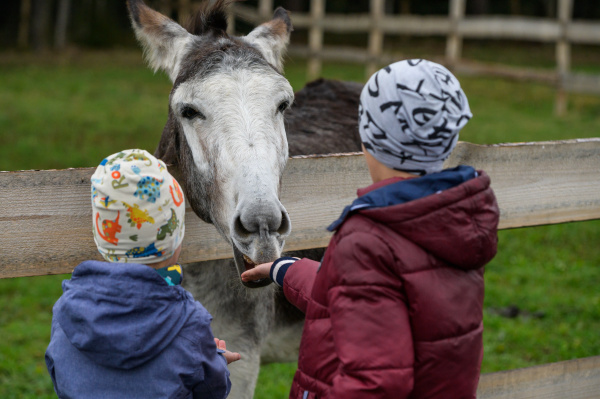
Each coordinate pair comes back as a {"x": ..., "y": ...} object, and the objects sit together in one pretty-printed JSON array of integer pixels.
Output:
[{"x": 138, "y": 209}]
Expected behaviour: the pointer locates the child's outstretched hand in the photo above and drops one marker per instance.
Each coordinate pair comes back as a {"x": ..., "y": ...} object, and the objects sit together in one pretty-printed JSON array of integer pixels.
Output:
[
  {"x": 229, "y": 356},
  {"x": 257, "y": 272}
]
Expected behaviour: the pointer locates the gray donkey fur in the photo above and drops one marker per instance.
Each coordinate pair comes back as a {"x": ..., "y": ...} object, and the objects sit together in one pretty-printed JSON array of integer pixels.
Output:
[{"x": 256, "y": 321}]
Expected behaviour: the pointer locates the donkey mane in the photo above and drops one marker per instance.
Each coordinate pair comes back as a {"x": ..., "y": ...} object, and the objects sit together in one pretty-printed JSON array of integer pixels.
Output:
[{"x": 210, "y": 18}]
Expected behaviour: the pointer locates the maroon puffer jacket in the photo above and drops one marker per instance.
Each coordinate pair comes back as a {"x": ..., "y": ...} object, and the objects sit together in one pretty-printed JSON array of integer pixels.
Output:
[{"x": 396, "y": 308}]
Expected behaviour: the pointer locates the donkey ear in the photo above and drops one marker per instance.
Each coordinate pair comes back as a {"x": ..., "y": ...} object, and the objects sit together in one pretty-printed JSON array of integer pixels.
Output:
[
  {"x": 272, "y": 38},
  {"x": 162, "y": 39}
]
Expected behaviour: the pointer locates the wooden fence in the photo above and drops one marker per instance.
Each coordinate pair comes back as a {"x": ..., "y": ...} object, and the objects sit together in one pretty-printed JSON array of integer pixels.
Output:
[
  {"x": 456, "y": 27},
  {"x": 46, "y": 224}
]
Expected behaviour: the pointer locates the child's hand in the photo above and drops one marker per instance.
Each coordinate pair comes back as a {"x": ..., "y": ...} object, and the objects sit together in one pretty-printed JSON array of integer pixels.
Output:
[
  {"x": 257, "y": 272},
  {"x": 229, "y": 356}
]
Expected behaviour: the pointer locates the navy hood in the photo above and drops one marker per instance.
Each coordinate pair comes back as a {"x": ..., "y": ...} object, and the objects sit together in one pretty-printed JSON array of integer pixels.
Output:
[
  {"x": 120, "y": 315},
  {"x": 407, "y": 190},
  {"x": 453, "y": 215}
]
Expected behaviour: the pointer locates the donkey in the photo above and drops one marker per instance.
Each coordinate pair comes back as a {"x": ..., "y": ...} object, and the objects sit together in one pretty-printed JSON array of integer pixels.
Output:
[{"x": 226, "y": 133}]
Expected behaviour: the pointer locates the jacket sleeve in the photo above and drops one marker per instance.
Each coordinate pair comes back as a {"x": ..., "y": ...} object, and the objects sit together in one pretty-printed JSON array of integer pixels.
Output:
[
  {"x": 211, "y": 379},
  {"x": 298, "y": 282},
  {"x": 216, "y": 383},
  {"x": 370, "y": 321},
  {"x": 49, "y": 358}
]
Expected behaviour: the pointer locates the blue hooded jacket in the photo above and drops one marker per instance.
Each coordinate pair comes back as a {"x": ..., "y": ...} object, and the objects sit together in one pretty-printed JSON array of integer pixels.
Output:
[{"x": 120, "y": 331}]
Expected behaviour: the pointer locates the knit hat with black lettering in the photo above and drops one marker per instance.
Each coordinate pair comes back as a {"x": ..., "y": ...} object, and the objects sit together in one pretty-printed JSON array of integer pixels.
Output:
[
  {"x": 410, "y": 114},
  {"x": 138, "y": 209}
]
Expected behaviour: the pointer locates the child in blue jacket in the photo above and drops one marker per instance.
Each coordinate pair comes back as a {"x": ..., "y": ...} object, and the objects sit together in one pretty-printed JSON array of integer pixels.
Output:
[{"x": 125, "y": 328}]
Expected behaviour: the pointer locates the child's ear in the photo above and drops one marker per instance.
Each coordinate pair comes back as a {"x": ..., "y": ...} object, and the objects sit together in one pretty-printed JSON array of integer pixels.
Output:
[
  {"x": 272, "y": 38},
  {"x": 164, "y": 41}
]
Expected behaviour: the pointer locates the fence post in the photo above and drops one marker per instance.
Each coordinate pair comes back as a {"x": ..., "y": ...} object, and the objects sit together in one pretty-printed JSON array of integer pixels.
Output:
[
  {"x": 454, "y": 40},
  {"x": 24, "y": 23},
  {"x": 563, "y": 55},
  {"x": 375, "y": 36},
  {"x": 315, "y": 38},
  {"x": 183, "y": 10},
  {"x": 265, "y": 9},
  {"x": 231, "y": 23}
]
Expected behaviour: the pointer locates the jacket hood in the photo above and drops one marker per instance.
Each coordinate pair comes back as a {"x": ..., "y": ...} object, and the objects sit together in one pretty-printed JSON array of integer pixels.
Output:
[
  {"x": 120, "y": 315},
  {"x": 451, "y": 214}
]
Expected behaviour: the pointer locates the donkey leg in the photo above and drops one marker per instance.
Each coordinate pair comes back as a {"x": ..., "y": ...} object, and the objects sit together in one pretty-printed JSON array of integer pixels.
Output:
[
  {"x": 241, "y": 316},
  {"x": 283, "y": 341}
]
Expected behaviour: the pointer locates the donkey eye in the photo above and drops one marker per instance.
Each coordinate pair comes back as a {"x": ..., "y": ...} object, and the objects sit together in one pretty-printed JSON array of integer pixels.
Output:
[
  {"x": 283, "y": 106},
  {"x": 191, "y": 113}
]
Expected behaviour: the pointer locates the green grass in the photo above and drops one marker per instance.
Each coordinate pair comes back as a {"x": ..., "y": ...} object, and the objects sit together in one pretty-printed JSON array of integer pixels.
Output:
[{"x": 72, "y": 111}]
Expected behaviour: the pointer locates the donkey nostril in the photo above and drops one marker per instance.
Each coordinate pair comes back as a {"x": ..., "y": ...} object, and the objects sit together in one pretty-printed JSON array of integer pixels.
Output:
[
  {"x": 262, "y": 223},
  {"x": 240, "y": 230},
  {"x": 285, "y": 226}
]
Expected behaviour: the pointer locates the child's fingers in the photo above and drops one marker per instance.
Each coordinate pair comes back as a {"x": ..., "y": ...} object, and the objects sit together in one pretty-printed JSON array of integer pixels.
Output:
[
  {"x": 258, "y": 272},
  {"x": 220, "y": 343},
  {"x": 250, "y": 275},
  {"x": 232, "y": 356}
]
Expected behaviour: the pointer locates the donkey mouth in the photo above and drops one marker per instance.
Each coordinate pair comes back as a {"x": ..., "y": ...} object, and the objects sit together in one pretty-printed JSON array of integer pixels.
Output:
[
  {"x": 248, "y": 263},
  {"x": 243, "y": 263}
]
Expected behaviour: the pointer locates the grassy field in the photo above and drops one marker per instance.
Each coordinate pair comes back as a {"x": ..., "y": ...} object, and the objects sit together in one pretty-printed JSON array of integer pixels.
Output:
[{"x": 74, "y": 110}]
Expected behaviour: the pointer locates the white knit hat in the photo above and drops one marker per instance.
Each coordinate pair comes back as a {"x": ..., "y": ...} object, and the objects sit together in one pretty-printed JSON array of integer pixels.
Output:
[
  {"x": 410, "y": 114},
  {"x": 138, "y": 209}
]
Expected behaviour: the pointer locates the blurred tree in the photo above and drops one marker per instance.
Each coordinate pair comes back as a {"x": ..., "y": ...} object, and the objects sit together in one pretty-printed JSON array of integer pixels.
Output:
[
  {"x": 515, "y": 7},
  {"x": 62, "y": 22},
  {"x": 41, "y": 17},
  {"x": 479, "y": 7},
  {"x": 404, "y": 6},
  {"x": 295, "y": 5},
  {"x": 24, "y": 18}
]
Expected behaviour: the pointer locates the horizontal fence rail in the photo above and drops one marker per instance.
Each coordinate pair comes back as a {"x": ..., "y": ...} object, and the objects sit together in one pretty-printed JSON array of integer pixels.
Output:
[
  {"x": 46, "y": 216},
  {"x": 488, "y": 27},
  {"x": 572, "y": 379}
]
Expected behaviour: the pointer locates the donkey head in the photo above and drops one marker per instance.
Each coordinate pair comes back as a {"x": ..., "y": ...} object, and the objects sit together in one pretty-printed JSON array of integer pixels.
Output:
[{"x": 225, "y": 129}]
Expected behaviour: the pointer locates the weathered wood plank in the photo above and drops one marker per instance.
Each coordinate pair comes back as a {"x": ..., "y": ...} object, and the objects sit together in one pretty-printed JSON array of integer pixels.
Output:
[
  {"x": 582, "y": 83},
  {"x": 491, "y": 26},
  {"x": 573, "y": 379},
  {"x": 518, "y": 28},
  {"x": 584, "y": 32},
  {"x": 46, "y": 220},
  {"x": 540, "y": 183}
]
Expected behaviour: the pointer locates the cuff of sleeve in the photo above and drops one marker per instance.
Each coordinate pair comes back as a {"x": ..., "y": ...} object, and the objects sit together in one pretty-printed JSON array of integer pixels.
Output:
[{"x": 279, "y": 268}]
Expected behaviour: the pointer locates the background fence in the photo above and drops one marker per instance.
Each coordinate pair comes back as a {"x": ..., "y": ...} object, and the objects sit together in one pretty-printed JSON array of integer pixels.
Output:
[
  {"x": 456, "y": 27},
  {"x": 536, "y": 184}
]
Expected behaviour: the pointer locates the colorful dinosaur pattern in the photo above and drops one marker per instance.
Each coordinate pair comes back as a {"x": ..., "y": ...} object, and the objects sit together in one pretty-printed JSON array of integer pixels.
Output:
[
  {"x": 140, "y": 252},
  {"x": 136, "y": 184},
  {"x": 179, "y": 200},
  {"x": 106, "y": 201},
  {"x": 134, "y": 156},
  {"x": 148, "y": 187},
  {"x": 137, "y": 216},
  {"x": 168, "y": 228},
  {"x": 110, "y": 228}
]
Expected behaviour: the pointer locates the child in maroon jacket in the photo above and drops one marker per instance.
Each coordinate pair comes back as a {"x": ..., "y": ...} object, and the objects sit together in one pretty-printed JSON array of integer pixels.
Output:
[{"x": 395, "y": 308}]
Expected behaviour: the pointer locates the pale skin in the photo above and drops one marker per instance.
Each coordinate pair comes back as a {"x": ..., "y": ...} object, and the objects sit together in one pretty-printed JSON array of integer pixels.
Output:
[
  {"x": 378, "y": 172},
  {"x": 229, "y": 356}
]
